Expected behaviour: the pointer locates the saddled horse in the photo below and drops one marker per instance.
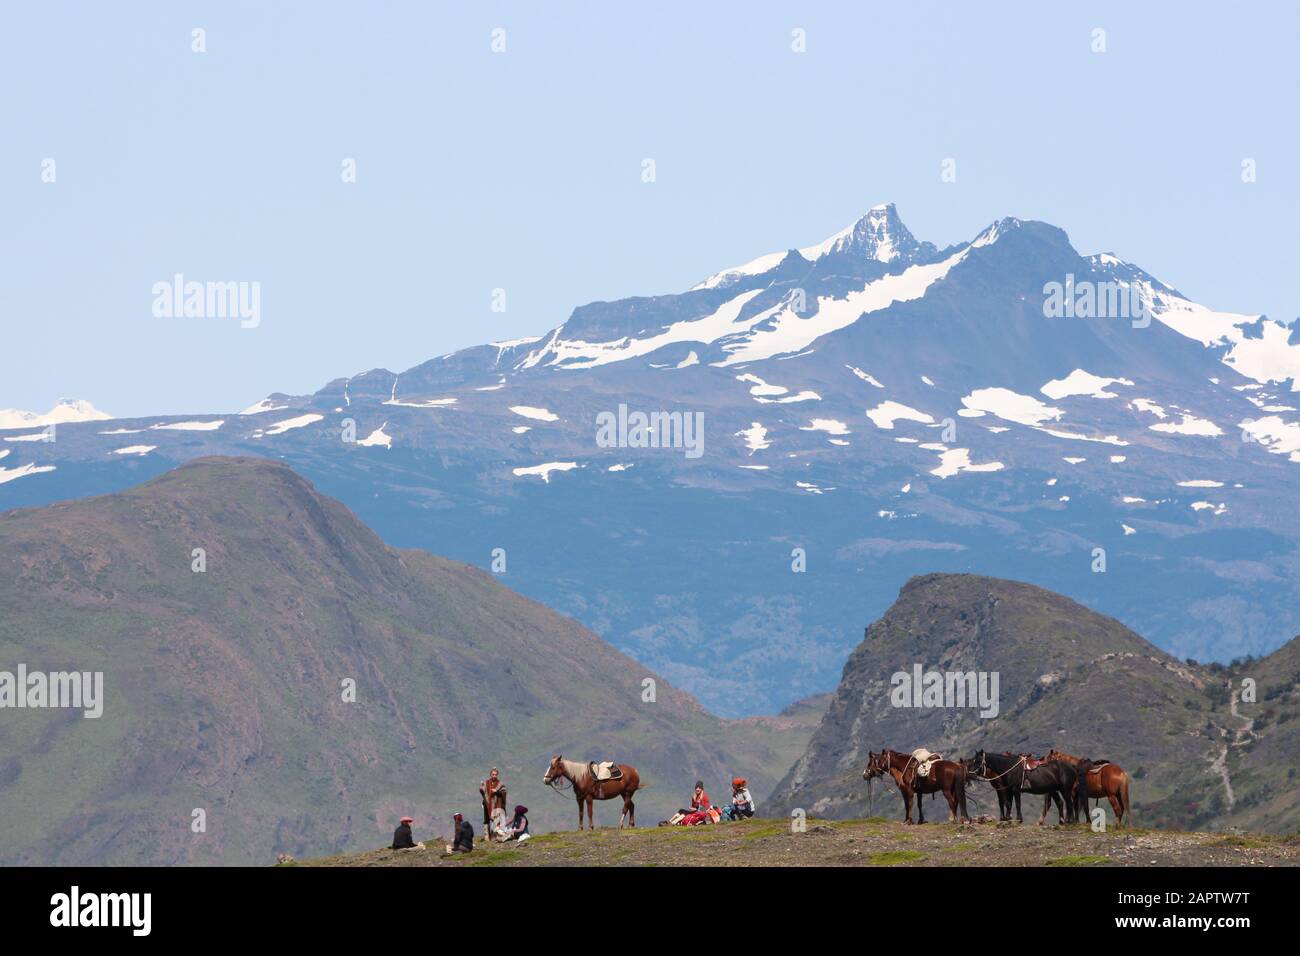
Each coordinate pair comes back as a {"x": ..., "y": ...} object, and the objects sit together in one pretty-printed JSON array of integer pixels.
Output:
[
  {"x": 1010, "y": 776},
  {"x": 587, "y": 788},
  {"x": 1105, "y": 779},
  {"x": 945, "y": 777}
]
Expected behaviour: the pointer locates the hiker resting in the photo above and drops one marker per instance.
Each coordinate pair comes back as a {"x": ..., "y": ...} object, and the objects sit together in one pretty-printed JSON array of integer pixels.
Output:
[
  {"x": 699, "y": 809},
  {"x": 517, "y": 828},
  {"x": 402, "y": 836},
  {"x": 742, "y": 803},
  {"x": 463, "y": 841}
]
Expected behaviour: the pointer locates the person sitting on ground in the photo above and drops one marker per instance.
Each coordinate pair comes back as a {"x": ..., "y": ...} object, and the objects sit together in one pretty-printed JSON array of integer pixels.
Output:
[
  {"x": 742, "y": 803},
  {"x": 517, "y": 828},
  {"x": 699, "y": 809},
  {"x": 700, "y": 799},
  {"x": 463, "y": 841},
  {"x": 402, "y": 835}
]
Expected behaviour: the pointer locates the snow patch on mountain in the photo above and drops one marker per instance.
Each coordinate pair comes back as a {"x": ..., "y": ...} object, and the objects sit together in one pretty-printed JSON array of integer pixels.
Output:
[
  {"x": 1011, "y": 406},
  {"x": 543, "y": 471},
  {"x": 1148, "y": 406},
  {"x": 577, "y": 354},
  {"x": 266, "y": 405},
  {"x": 957, "y": 460},
  {"x": 1080, "y": 382},
  {"x": 377, "y": 438},
  {"x": 755, "y": 437},
  {"x": 864, "y": 376},
  {"x": 1278, "y": 436},
  {"x": 536, "y": 414},
  {"x": 886, "y": 413},
  {"x": 189, "y": 426},
  {"x": 781, "y": 329},
  {"x": 1190, "y": 425},
  {"x": 828, "y": 425},
  {"x": 279, "y": 428},
  {"x": 13, "y": 474},
  {"x": 134, "y": 450}
]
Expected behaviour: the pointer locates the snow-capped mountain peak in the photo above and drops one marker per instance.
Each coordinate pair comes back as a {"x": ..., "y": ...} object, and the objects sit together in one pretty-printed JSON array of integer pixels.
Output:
[
  {"x": 879, "y": 235},
  {"x": 65, "y": 410}
]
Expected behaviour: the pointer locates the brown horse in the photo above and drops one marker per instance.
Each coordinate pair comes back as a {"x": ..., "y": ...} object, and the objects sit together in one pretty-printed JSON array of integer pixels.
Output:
[
  {"x": 587, "y": 788},
  {"x": 945, "y": 776},
  {"x": 1105, "y": 779}
]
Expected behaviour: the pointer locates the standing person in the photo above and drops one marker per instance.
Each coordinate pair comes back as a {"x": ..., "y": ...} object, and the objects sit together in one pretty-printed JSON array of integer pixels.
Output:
[
  {"x": 463, "y": 840},
  {"x": 493, "y": 792},
  {"x": 402, "y": 835}
]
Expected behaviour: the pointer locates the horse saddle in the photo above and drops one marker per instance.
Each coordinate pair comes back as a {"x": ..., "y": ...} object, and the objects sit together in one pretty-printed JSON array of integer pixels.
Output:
[
  {"x": 606, "y": 770},
  {"x": 925, "y": 761}
]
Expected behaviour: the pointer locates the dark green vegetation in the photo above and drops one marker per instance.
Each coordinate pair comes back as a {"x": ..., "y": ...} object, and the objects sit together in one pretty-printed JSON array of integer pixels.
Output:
[
  {"x": 1200, "y": 757},
  {"x": 870, "y": 842},
  {"x": 224, "y": 688}
]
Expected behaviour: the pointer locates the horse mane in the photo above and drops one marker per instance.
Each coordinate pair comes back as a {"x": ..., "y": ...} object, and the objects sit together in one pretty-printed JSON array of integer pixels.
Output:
[{"x": 577, "y": 771}]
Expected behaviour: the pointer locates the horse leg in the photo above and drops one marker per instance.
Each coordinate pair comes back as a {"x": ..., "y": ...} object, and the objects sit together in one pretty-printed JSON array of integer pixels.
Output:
[
  {"x": 1117, "y": 807},
  {"x": 920, "y": 808},
  {"x": 623, "y": 816},
  {"x": 951, "y": 797},
  {"x": 631, "y": 810},
  {"x": 579, "y": 813},
  {"x": 907, "y": 805}
]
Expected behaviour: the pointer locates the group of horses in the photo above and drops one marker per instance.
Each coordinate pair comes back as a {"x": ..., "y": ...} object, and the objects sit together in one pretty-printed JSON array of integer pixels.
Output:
[{"x": 1063, "y": 779}]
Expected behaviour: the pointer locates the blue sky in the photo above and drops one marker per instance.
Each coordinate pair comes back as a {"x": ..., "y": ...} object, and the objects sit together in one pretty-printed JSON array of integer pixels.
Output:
[{"x": 522, "y": 170}]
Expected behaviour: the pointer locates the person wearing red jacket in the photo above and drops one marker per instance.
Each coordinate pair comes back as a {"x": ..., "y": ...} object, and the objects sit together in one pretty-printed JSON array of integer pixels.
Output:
[{"x": 700, "y": 804}]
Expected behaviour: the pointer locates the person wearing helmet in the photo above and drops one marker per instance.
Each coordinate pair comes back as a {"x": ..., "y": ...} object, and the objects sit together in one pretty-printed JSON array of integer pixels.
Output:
[{"x": 402, "y": 835}]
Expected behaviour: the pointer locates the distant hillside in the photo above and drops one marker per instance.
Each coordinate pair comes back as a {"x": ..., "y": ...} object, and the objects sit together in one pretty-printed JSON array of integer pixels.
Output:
[
  {"x": 1069, "y": 678},
  {"x": 224, "y": 688}
]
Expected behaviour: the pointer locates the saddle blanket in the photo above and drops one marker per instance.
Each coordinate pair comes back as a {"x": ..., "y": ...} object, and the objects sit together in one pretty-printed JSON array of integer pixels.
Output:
[
  {"x": 608, "y": 770},
  {"x": 925, "y": 761}
]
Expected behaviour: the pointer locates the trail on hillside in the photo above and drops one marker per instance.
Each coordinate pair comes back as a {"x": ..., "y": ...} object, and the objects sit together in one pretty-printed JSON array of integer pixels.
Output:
[{"x": 1237, "y": 737}]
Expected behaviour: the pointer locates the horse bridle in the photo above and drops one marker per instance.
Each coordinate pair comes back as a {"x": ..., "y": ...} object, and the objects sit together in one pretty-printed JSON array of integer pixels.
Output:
[{"x": 984, "y": 766}]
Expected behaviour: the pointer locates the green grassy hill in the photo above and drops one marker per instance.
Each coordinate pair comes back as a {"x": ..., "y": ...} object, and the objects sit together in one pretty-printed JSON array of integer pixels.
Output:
[
  {"x": 1069, "y": 678},
  {"x": 224, "y": 689}
]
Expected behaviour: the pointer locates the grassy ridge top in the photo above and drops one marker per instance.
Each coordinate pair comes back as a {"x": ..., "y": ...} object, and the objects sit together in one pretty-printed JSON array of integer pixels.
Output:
[{"x": 874, "y": 841}]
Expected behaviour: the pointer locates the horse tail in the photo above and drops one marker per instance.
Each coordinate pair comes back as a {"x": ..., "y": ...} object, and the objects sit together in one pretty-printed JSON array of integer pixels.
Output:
[{"x": 1123, "y": 798}]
